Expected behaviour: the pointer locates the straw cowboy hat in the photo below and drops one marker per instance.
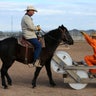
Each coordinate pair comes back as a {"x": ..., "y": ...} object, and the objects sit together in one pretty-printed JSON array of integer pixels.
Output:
[
  {"x": 93, "y": 34},
  {"x": 31, "y": 8}
]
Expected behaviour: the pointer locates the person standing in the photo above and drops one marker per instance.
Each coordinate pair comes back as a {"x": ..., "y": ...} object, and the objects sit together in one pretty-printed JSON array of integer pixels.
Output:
[{"x": 28, "y": 30}]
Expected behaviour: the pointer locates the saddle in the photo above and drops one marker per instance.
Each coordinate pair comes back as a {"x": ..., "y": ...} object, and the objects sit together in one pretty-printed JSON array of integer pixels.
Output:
[
  {"x": 23, "y": 42},
  {"x": 25, "y": 50}
]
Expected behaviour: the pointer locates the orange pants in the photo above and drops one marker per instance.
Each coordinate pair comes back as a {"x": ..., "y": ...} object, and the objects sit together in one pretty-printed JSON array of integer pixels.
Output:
[{"x": 91, "y": 61}]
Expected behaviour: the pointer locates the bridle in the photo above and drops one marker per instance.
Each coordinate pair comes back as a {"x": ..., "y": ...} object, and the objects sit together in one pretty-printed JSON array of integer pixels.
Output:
[
  {"x": 49, "y": 36},
  {"x": 53, "y": 37},
  {"x": 64, "y": 34}
]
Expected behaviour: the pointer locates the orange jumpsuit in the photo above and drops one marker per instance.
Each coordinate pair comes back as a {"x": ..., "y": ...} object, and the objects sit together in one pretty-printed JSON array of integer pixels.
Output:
[{"x": 91, "y": 60}]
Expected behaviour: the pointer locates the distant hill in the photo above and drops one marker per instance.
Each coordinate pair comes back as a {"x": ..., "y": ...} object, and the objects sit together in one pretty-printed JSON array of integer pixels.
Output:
[
  {"x": 74, "y": 32},
  {"x": 77, "y": 32}
]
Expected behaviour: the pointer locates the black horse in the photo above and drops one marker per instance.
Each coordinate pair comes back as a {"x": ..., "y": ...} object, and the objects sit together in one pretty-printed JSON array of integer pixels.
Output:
[{"x": 8, "y": 54}]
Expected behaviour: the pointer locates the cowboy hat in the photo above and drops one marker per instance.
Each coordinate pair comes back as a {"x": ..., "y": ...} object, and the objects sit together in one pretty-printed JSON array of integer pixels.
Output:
[
  {"x": 31, "y": 8},
  {"x": 93, "y": 34}
]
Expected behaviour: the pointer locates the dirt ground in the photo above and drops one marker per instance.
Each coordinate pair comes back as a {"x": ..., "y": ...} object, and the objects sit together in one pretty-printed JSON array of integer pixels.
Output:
[{"x": 22, "y": 76}]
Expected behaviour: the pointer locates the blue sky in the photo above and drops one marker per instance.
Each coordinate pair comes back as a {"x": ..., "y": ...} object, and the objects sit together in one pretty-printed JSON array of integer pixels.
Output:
[{"x": 74, "y": 14}]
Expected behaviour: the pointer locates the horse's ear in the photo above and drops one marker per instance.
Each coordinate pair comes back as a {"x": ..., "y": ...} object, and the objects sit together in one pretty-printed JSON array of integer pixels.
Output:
[{"x": 62, "y": 25}]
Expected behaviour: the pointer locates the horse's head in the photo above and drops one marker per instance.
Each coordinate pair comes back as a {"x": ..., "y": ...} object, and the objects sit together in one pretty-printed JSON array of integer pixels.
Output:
[{"x": 66, "y": 37}]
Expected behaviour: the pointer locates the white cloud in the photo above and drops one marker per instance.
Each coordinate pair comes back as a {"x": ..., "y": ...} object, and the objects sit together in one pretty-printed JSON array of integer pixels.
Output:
[
  {"x": 84, "y": 13},
  {"x": 49, "y": 12},
  {"x": 13, "y": 5}
]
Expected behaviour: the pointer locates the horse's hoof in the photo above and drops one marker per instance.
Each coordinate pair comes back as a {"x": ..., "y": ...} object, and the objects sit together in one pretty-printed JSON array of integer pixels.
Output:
[
  {"x": 52, "y": 84},
  {"x": 5, "y": 87},
  {"x": 10, "y": 84},
  {"x": 33, "y": 85}
]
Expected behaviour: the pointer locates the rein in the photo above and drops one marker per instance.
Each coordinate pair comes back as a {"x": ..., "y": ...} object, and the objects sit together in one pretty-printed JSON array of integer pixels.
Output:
[{"x": 51, "y": 36}]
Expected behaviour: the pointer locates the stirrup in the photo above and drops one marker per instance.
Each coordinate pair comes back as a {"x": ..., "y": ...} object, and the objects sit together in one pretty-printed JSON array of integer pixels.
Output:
[{"x": 37, "y": 63}]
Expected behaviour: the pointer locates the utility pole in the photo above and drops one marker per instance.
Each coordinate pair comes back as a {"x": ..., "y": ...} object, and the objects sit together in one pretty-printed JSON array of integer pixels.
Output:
[{"x": 11, "y": 23}]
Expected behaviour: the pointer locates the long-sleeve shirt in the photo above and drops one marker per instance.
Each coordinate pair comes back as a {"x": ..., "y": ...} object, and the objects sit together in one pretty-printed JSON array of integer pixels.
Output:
[
  {"x": 28, "y": 28},
  {"x": 92, "y": 43}
]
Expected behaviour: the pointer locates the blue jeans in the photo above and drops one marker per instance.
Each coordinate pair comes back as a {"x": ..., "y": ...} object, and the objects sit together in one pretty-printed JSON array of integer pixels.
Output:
[{"x": 37, "y": 45}]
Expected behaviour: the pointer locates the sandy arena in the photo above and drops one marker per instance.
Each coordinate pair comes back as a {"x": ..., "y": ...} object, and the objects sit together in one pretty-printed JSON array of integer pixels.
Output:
[{"x": 22, "y": 76}]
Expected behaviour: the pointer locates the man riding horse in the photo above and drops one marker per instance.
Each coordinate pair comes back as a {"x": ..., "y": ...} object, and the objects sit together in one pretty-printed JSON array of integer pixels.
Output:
[{"x": 29, "y": 34}]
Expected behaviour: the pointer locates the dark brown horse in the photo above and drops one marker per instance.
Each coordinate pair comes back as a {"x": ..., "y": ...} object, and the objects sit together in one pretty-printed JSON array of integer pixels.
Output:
[{"x": 9, "y": 48}]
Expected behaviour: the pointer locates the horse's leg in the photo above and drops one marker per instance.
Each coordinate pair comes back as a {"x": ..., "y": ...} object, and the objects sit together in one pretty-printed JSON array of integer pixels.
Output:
[
  {"x": 7, "y": 75},
  {"x": 8, "y": 79},
  {"x": 3, "y": 72},
  {"x": 49, "y": 73},
  {"x": 4, "y": 69},
  {"x": 37, "y": 71}
]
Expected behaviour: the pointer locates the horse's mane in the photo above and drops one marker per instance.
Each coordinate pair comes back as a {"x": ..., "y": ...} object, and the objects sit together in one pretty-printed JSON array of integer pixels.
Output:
[
  {"x": 52, "y": 38},
  {"x": 51, "y": 32}
]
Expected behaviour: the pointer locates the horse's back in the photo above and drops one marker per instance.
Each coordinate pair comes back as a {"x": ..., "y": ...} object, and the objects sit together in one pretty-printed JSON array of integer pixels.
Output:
[
  {"x": 8, "y": 41},
  {"x": 7, "y": 48}
]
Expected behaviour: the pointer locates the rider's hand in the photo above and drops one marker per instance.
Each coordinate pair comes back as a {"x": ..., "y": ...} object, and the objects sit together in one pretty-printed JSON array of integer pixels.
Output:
[
  {"x": 83, "y": 33},
  {"x": 38, "y": 27}
]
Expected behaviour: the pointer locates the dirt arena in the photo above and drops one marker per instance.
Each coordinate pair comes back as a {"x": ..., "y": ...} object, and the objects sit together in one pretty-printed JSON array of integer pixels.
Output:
[{"x": 22, "y": 76}]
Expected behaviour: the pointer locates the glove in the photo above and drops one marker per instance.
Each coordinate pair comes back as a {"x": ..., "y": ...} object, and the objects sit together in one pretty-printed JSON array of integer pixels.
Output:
[
  {"x": 83, "y": 33},
  {"x": 38, "y": 27}
]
